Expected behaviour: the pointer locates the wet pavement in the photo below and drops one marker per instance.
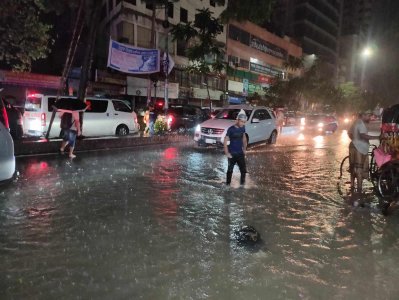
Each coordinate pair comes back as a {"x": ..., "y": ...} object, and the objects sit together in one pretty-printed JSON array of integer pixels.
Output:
[{"x": 158, "y": 223}]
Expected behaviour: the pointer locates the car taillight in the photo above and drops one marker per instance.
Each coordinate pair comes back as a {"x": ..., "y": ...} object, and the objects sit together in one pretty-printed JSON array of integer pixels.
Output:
[
  {"x": 5, "y": 117},
  {"x": 170, "y": 120},
  {"x": 43, "y": 118}
]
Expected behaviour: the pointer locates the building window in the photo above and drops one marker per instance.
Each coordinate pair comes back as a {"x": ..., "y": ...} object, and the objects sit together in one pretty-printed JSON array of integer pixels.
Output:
[
  {"x": 143, "y": 37},
  {"x": 244, "y": 63},
  {"x": 149, "y": 6},
  {"x": 212, "y": 3},
  {"x": 183, "y": 15},
  {"x": 125, "y": 32},
  {"x": 170, "y": 10},
  {"x": 233, "y": 60}
]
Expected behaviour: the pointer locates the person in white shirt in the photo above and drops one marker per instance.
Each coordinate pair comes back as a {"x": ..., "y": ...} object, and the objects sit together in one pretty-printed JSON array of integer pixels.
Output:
[{"x": 358, "y": 150}]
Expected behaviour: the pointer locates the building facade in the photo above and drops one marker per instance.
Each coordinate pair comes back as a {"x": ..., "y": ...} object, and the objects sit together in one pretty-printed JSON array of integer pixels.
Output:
[
  {"x": 314, "y": 23},
  {"x": 255, "y": 58},
  {"x": 131, "y": 22}
]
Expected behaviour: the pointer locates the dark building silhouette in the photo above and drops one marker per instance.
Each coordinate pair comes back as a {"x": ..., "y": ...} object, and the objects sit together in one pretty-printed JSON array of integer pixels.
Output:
[
  {"x": 314, "y": 23},
  {"x": 357, "y": 17}
]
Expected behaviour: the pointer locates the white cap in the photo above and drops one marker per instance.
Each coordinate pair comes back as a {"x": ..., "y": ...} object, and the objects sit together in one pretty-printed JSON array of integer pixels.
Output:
[{"x": 241, "y": 115}]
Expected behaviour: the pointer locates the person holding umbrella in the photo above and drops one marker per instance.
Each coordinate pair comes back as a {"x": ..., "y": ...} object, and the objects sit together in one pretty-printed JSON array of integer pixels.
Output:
[{"x": 70, "y": 122}]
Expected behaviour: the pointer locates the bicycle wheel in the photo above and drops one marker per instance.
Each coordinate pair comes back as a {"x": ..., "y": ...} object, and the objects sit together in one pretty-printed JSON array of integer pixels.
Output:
[
  {"x": 388, "y": 180},
  {"x": 373, "y": 169},
  {"x": 344, "y": 172}
]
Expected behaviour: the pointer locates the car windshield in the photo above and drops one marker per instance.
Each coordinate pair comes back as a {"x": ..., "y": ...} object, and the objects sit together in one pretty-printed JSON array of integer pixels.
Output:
[
  {"x": 33, "y": 103},
  {"x": 231, "y": 114}
]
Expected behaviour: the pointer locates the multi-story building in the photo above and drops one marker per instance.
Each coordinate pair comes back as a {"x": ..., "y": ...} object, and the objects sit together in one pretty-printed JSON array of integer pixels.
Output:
[
  {"x": 315, "y": 23},
  {"x": 132, "y": 22},
  {"x": 255, "y": 58}
]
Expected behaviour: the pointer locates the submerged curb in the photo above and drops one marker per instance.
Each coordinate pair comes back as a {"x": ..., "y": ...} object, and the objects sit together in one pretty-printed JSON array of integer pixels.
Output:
[{"x": 52, "y": 146}]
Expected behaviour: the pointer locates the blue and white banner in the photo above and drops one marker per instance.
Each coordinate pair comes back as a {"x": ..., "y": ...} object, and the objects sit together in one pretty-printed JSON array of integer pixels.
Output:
[{"x": 132, "y": 60}]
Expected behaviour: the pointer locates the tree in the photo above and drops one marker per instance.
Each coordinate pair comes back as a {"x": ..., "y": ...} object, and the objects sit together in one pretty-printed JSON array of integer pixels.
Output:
[
  {"x": 205, "y": 54},
  {"x": 23, "y": 37}
]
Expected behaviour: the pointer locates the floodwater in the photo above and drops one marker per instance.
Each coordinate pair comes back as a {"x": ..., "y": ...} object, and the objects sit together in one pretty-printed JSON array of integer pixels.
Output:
[{"x": 157, "y": 223}]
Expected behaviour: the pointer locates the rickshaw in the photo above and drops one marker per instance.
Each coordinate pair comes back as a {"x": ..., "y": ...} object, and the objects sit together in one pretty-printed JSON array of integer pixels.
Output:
[{"x": 387, "y": 155}]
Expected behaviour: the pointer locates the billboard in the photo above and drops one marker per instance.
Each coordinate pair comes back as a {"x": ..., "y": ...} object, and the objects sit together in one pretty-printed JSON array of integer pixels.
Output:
[{"x": 127, "y": 59}]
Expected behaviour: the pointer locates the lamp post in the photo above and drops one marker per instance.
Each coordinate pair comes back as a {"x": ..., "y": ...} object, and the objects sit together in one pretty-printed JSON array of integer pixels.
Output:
[{"x": 366, "y": 54}]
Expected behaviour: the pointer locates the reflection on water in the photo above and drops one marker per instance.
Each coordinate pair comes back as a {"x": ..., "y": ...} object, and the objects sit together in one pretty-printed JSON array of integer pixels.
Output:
[{"x": 159, "y": 224}]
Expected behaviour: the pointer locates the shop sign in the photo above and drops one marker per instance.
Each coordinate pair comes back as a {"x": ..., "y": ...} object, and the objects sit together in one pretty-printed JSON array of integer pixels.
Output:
[
  {"x": 203, "y": 94},
  {"x": 235, "y": 86},
  {"x": 256, "y": 88},
  {"x": 30, "y": 79},
  {"x": 264, "y": 69},
  {"x": 265, "y": 79},
  {"x": 267, "y": 47}
]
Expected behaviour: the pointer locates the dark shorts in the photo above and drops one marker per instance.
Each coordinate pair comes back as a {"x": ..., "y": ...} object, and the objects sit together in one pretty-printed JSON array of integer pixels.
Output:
[{"x": 70, "y": 137}]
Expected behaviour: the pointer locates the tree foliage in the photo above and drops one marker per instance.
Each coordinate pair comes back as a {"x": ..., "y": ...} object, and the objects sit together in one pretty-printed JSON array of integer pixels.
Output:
[
  {"x": 203, "y": 51},
  {"x": 316, "y": 88},
  {"x": 23, "y": 37}
]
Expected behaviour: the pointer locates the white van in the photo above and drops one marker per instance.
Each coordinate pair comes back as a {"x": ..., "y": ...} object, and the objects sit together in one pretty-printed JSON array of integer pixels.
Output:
[
  {"x": 7, "y": 158},
  {"x": 102, "y": 117}
]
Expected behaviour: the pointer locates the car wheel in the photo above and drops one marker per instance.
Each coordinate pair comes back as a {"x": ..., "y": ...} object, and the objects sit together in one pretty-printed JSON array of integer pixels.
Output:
[
  {"x": 273, "y": 138},
  {"x": 122, "y": 130}
]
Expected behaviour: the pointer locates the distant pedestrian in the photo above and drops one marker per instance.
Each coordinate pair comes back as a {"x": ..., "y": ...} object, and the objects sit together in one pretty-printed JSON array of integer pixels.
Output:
[
  {"x": 70, "y": 125},
  {"x": 280, "y": 120},
  {"x": 235, "y": 145},
  {"x": 151, "y": 119}
]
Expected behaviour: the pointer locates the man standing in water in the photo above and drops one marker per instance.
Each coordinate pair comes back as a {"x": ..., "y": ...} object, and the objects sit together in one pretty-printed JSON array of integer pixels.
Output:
[
  {"x": 235, "y": 150},
  {"x": 358, "y": 150}
]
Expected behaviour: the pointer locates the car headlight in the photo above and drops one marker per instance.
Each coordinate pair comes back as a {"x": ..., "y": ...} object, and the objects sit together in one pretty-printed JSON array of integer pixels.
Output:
[
  {"x": 320, "y": 125},
  {"x": 198, "y": 128}
]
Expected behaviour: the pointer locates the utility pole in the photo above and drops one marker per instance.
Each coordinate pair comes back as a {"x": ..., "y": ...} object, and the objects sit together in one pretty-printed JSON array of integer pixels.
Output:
[
  {"x": 152, "y": 47},
  {"x": 166, "y": 62}
]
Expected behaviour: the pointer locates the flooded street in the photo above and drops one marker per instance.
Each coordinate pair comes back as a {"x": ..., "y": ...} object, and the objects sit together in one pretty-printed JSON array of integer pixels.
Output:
[{"x": 158, "y": 223}]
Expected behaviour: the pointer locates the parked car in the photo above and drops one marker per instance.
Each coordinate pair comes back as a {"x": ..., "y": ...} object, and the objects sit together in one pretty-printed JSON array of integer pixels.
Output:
[
  {"x": 7, "y": 158},
  {"x": 102, "y": 117},
  {"x": 320, "y": 123},
  {"x": 15, "y": 120},
  {"x": 261, "y": 125},
  {"x": 183, "y": 118}
]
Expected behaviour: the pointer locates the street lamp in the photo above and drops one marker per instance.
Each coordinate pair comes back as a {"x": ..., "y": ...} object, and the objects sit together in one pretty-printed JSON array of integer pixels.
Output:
[{"x": 366, "y": 53}]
